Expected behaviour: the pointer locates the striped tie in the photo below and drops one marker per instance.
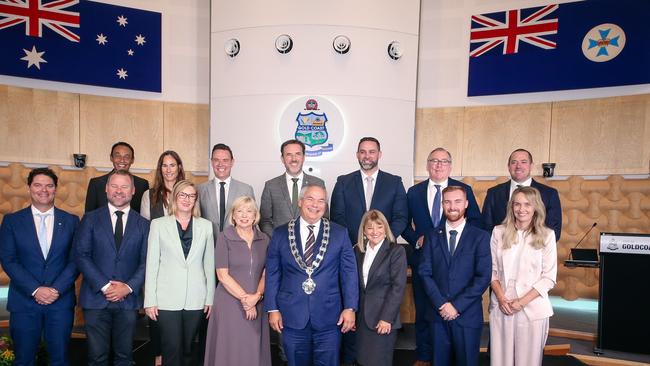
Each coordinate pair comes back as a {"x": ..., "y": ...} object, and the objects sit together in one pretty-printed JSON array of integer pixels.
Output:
[{"x": 309, "y": 246}]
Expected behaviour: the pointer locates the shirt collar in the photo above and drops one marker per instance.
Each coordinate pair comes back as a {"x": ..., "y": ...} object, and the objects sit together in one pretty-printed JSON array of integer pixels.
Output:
[
  {"x": 376, "y": 248},
  {"x": 304, "y": 224},
  {"x": 526, "y": 183},
  {"x": 112, "y": 209},
  {"x": 35, "y": 211},
  {"x": 458, "y": 228},
  {"x": 442, "y": 185},
  {"x": 374, "y": 175},
  {"x": 217, "y": 181},
  {"x": 289, "y": 176}
]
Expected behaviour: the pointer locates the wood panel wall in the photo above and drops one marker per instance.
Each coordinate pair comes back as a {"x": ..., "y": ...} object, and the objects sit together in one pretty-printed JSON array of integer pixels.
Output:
[{"x": 47, "y": 127}]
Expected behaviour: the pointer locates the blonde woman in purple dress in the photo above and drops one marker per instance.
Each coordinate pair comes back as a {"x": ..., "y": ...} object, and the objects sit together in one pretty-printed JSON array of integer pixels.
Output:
[{"x": 238, "y": 332}]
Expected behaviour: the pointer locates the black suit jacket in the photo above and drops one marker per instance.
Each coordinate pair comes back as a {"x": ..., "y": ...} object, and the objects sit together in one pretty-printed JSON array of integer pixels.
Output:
[
  {"x": 381, "y": 297},
  {"x": 496, "y": 204},
  {"x": 96, "y": 193}
]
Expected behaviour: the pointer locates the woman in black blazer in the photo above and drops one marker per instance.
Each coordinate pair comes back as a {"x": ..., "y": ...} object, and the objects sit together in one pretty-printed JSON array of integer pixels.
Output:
[{"x": 382, "y": 279}]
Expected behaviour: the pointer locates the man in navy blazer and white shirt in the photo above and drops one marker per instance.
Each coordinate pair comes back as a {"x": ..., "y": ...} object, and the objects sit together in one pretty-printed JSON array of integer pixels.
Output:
[
  {"x": 111, "y": 251},
  {"x": 425, "y": 213},
  {"x": 520, "y": 163},
  {"x": 35, "y": 245},
  {"x": 456, "y": 269}
]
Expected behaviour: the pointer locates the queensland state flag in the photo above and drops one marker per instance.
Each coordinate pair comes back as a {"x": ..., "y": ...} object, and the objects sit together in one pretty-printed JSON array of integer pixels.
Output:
[
  {"x": 586, "y": 44},
  {"x": 80, "y": 41}
]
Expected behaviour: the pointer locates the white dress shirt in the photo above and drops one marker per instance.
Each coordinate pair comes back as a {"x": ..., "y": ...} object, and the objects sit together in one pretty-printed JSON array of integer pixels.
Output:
[
  {"x": 289, "y": 178},
  {"x": 226, "y": 188},
  {"x": 49, "y": 222},
  {"x": 513, "y": 185},
  {"x": 365, "y": 183},
  {"x": 459, "y": 228},
  {"x": 368, "y": 258},
  {"x": 431, "y": 194},
  {"x": 304, "y": 233},
  {"x": 125, "y": 217}
]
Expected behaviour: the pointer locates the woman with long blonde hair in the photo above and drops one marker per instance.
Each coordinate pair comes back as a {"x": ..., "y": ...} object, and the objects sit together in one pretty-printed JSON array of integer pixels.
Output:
[{"x": 524, "y": 269}]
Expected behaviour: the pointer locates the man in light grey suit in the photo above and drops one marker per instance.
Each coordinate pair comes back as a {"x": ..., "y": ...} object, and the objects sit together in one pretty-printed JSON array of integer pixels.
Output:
[
  {"x": 217, "y": 195},
  {"x": 280, "y": 196}
]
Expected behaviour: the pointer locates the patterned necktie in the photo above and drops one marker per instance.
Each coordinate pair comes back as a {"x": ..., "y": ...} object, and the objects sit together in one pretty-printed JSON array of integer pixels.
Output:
[
  {"x": 294, "y": 195},
  {"x": 42, "y": 233},
  {"x": 119, "y": 229},
  {"x": 222, "y": 204},
  {"x": 369, "y": 188},
  {"x": 309, "y": 246},
  {"x": 435, "y": 208},
  {"x": 452, "y": 241}
]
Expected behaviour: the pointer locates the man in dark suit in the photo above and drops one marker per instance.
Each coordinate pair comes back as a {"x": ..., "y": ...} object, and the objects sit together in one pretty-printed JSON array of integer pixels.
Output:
[
  {"x": 360, "y": 191},
  {"x": 311, "y": 283},
  {"x": 280, "y": 196},
  {"x": 520, "y": 164},
  {"x": 456, "y": 269},
  {"x": 122, "y": 156},
  {"x": 110, "y": 251},
  {"x": 425, "y": 213},
  {"x": 35, "y": 245}
]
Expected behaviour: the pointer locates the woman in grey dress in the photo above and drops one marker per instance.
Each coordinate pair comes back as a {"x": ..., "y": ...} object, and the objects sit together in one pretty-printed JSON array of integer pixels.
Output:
[{"x": 238, "y": 332}]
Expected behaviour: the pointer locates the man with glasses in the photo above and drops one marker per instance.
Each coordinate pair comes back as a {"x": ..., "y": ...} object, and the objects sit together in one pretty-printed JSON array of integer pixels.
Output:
[
  {"x": 424, "y": 214},
  {"x": 122, "y": 157}
]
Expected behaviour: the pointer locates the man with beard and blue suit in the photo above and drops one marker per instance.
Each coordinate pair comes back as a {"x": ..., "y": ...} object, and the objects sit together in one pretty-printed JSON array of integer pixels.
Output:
[
  {"x": 359, "y": 191},
  {"x": 35, "y": 246},
  {"x": 456, "y": 269},
  {"x": 311, "y": 284},
  {"x": 111, "y": 251},
  {"x": 425, "y": 213},
  {"x": 520, "y": 164}
]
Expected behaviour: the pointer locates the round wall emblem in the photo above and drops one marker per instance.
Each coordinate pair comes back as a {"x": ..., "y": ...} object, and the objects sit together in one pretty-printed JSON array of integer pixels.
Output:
[
  {"x": 603, "y": 43},
  {"x": 315, "y": 121}
]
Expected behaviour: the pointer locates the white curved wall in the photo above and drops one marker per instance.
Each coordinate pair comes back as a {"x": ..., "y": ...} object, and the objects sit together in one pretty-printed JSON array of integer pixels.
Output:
[{"x": 376, "y": 95}]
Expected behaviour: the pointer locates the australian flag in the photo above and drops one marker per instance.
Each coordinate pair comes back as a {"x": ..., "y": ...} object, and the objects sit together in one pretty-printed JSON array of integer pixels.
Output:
[
  {"x": 586, "y": 44},
  {"x": 80, "y": 41}
]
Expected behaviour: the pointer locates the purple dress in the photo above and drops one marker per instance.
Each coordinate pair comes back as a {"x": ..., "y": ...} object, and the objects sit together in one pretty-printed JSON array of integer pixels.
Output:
[{"x": 231, "y": 339}]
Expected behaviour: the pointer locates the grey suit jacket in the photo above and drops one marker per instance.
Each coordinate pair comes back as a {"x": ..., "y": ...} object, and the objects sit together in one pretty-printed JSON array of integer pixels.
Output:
[
  {"x": 275, "y": 208},
  {"x": 209, "y": 206},
  {"x": 173, "y": 282}
]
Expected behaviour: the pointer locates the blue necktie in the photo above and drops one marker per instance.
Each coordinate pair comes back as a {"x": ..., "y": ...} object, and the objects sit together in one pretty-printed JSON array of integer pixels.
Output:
[
  {"x": 452, "y": 241},
  {"x": 435, "y": 209},
  {"x": 42, "y": 234}
]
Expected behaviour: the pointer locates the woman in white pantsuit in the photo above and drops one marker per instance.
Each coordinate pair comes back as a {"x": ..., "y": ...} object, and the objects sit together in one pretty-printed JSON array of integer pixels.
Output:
[{"x": 524, "y": 268}]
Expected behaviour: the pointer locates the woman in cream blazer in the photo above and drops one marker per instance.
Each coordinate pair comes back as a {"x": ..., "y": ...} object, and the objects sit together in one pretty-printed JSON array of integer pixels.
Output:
[
  {"x": 524, "y": 269},
  {"x": 180, "y": 281}
]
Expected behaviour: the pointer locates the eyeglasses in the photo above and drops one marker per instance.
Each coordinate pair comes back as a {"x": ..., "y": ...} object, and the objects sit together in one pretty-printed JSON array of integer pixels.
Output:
[
  {"x": 185, "y": 196},
  {"x": 438, "y": 161}
]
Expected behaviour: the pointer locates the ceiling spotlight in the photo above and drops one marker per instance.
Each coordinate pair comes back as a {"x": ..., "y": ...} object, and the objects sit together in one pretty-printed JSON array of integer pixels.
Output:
[
  {"x": 341, "y": 44},
  {"x": 283, "y": 43},
  {"x": 395, "y": 50},
  {"x": 232, "y": 47}
]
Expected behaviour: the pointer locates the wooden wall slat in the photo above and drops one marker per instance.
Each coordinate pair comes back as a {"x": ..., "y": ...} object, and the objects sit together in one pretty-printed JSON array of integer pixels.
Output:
[
  {"x": 186, "y": 131},
  {"x": 104, "y": 121},
  {"x": 38, "y": 126},
  {"x": 440, "y": 127}
]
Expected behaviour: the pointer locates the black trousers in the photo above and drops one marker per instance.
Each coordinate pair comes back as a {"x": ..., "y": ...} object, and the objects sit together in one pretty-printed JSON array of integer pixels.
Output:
[
  {"x": 106, "y": 326},
  {"x": 178, "y": 328}
]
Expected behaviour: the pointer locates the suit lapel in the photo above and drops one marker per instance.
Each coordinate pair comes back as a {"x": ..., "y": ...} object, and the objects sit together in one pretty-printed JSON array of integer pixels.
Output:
[
  {"x": 129, "y": 230},
  {"x": 105, "y": 224},
  {"x": 422, "y": 197},
  {"x": 360, "y": 257},
  {"x": 444, "y": 245},
  {"x": 296, "y": 231},
  {"x": 58, "y": 226},
  {"x": 358, "y": 183},
  {"x": 379, "y": 258},
  {"x": 212, "y": 201},
  {"x": 30, "y": 223},
  {"x": 377, "y": 187},
  {"x": 284, "y": 189},
  {"x": 172, "y": 231}
]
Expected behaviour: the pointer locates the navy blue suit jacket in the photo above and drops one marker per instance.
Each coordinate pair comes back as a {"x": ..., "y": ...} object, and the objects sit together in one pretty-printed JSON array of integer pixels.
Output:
[
  {"x": 337, "y": 286},
  {"x": 419, "y": 217},
  {"x": 496, "y": 204},
  {"x": 100, "y": 262},
  {"x": 22, "y": 259},
  {"x": 349, "y": 202},
  {"x": 460, "y": 279}
]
